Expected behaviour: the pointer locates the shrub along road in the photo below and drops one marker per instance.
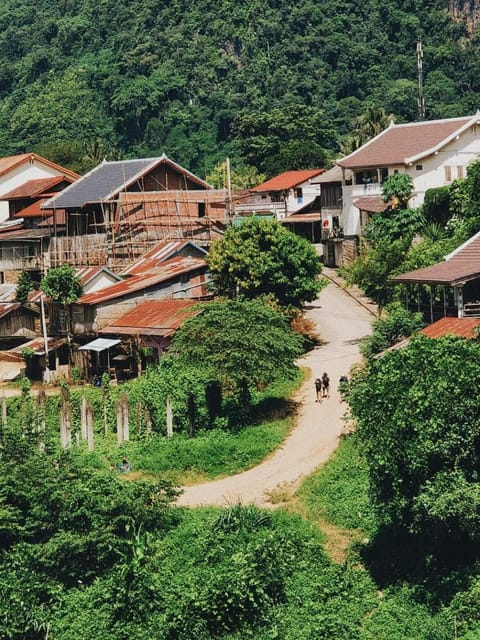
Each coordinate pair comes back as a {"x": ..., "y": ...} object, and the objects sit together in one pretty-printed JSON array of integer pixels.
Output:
[{"x": 341, "y": 322}]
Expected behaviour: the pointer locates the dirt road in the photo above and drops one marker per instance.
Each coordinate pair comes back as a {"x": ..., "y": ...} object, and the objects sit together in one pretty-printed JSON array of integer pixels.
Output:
[{"x": 341, "y": 322}]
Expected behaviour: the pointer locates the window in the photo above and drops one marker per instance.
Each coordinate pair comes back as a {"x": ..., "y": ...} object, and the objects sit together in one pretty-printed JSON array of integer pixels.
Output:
[
  {"x": 419, "y": 167},
  {"x": 201, "y": 209},
  {"x": 448, "y": 173},
  {"x": 460, "y": 175},
  {"x": 395, "y": 171}
]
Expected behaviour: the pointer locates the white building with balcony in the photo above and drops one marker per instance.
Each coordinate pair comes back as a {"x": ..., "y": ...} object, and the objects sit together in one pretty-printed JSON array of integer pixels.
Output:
[
  {"x": 433, "y": 153},
  {"x": 284, "y": 195}
]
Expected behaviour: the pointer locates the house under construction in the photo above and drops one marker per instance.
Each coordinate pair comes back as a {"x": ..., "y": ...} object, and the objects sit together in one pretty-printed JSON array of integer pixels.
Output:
[{"x": 119, "y": 210}]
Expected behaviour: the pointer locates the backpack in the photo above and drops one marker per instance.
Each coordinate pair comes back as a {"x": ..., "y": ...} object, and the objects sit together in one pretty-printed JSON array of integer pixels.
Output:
[
  {"x": 326, "y": 380},
  {"x": 318, "y": 383}
]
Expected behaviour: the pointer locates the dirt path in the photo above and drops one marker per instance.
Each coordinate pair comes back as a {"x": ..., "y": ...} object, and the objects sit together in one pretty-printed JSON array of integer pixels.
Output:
[{"x": 341, "y": 322}]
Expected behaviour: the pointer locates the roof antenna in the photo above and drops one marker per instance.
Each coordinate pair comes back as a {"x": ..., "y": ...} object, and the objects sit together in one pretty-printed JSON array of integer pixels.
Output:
[{"x": 421, "y": 100}]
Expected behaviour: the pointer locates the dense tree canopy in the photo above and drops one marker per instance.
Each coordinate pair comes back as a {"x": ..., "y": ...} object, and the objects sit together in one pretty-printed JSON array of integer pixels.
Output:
[
  {"x": 418, "y": 417},
  {"x": 262, "y": 258},
  {"x": 250, "y": 81},
  {"x": 239, "y": 342}
]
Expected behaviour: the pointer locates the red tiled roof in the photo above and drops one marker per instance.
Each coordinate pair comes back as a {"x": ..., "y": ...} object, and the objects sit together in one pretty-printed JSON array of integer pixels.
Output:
[
  {"x": 404, "y": 143},
  {"x": 37, "y": 187},
  {"x": 372, "y": 204},
  {"x": 288, "y": 180},
  {"x": 169, "y": 270},
  {"x": 462, "y": 327},
  {"x": 460, "y": 266},
  {"x": 154, "y": 318}
]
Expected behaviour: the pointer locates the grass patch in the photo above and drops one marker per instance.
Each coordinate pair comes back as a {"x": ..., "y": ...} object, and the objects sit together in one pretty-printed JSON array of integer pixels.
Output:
[
  {"x": 209, "y": 454},
  {"x": 338, "y": 492}
]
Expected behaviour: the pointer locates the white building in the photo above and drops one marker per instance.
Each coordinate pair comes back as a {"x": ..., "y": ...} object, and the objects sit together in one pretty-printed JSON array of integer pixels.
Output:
[
  {"x": 433, "y": 153},
  {"x": 15, "y": 171}
]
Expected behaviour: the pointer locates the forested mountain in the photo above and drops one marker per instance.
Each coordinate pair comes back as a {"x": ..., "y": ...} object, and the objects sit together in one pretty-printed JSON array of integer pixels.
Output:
[{"x": 270, "y": 83}]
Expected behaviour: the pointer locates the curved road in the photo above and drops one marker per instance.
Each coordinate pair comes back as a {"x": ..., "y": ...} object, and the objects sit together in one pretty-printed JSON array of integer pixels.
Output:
[{"x": 341, "y": 322}]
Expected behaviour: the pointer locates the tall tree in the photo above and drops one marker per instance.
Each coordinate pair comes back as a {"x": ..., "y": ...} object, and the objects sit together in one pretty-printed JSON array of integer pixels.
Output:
[{"x": 262, "y": 258}]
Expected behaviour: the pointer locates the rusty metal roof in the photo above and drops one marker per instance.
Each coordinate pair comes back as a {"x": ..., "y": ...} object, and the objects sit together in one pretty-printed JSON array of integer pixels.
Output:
[
  {"x": 169, "y": 270},
  {"x": 159, "y": 254},
  {"x": 462, "y": 327},
  {"x": 460, "y": 266},
  {"x": 401, "y": 144},
  {"x": 154, "y": 318}
]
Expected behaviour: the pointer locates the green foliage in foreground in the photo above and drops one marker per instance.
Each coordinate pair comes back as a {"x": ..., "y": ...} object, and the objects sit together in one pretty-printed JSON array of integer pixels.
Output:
[
  {"x": 338, "y": 492},
  {"x": 396, "y": 324},
  {"x": 418, "y": 424}
]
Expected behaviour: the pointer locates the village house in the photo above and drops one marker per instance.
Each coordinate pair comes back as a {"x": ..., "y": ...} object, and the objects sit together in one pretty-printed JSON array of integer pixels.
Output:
[
  {"x": 117, "y": 211},
  {"x": 453, "y": 286},
  {"x": 178, "y": 278},
  {"x": 26, "y": 181},
  {"x": 433, "y": 153},
  {"x": 292, "y": 197},
  {"x": 146, "y": 332}
]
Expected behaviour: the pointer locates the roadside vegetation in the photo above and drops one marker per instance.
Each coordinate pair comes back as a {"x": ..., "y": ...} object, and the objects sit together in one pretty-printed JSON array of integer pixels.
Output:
[{"x": 399, "y": 239}]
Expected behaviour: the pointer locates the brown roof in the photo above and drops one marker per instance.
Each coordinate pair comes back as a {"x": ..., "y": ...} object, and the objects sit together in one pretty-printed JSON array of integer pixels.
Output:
[
  {"x": 33, "y": 188},
  {"x": 372, "y": 204},
  {"x": 9, "y": 163},
  {"x": 405, "y": 143},
  {"x": 302, "y": 217},
  {"x": 288, "y": 180},
  {"x": 462, "y": 327},
  {"x": 171, "y": 269},
  {"x": 154, "y": 318},
  {"x": 460, "y": 266}
]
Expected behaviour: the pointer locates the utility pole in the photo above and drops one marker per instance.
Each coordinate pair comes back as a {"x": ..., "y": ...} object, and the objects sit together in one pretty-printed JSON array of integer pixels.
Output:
[
  {"x": 45, "y": 339},
  {"x": 421, "y": 100}
]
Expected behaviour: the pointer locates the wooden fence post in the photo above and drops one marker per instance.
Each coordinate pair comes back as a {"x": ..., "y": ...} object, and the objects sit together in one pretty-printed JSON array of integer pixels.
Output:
[
  {"x": 169, "y": 417},
  {"x": 65, "y": 420},
  {"x": 83, "y": 418},
  {"x": 89, "y": 425}
]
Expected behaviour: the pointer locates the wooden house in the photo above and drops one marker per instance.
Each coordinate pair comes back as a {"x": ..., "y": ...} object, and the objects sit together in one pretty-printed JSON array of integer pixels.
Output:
[{"x": 117, "y": 211}]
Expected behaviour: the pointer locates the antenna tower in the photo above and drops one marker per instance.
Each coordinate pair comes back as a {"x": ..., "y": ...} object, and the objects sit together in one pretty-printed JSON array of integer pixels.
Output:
[{"x": 421, "y": 100}]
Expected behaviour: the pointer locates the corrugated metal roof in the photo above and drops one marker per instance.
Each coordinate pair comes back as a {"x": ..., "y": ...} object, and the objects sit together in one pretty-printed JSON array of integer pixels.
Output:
[
  {"x": 171, "y": 269},
  {"x": 25, "y": 235},
  {"x": 109, "y": 179},
  {"x": 154, "y": 318},
  {"x": 462, "y": 327},
  {"x": 158, "y": 254},
  {"x": 302, "y": 217},
  {"x": 403, "y": 143},
  {"x": 460, "y": 266},
  {"x": 38, "y": 345},
  {"x": 88, "y": 273},
  {"x": 8, "y": 307},
  {"x": 288, "y": 180}
]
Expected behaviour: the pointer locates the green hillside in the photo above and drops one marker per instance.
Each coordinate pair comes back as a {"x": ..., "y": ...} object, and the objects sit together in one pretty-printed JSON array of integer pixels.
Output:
[{"x": 273, "y": 84}]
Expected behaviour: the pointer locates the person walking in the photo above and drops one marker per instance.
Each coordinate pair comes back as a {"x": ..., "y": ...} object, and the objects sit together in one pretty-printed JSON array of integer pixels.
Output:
[
  {"x": 318, "y": 390},
  {"x": 326, "y": 385}
]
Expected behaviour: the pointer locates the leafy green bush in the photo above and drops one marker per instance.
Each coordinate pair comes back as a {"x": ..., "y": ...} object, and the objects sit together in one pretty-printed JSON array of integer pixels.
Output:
[
  {"x": 339, "y": 491},
  {"x": 396, "y": 324}
]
